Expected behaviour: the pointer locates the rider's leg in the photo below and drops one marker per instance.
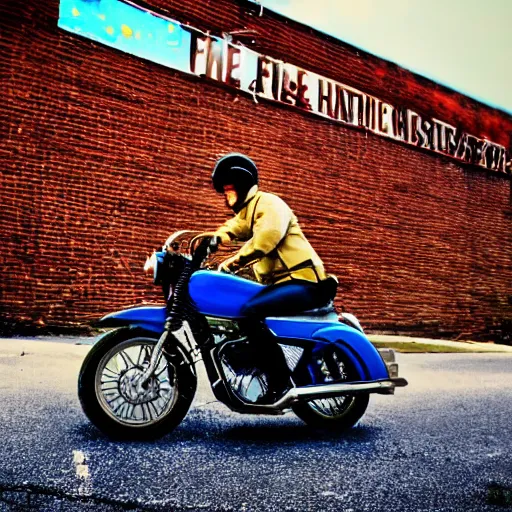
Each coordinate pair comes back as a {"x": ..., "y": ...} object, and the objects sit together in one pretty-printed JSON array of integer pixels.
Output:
[
  {"x": 280, "y": 299},
  {"x": 270, "y": 358}
]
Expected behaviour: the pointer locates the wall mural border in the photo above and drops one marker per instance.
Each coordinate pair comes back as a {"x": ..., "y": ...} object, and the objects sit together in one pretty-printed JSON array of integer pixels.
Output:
[{"x": 125, "y": 26}]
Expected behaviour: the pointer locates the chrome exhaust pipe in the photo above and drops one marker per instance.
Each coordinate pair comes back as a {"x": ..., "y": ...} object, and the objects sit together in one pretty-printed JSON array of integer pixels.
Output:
[{"x": 331, "y": 390}]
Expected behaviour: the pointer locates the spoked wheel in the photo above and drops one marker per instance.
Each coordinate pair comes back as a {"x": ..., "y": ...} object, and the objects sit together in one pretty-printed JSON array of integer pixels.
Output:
[
  {"x": 119, "y": 387},
  {"x": 115, "y": 397},
  {"x": 341, "y": 412}
]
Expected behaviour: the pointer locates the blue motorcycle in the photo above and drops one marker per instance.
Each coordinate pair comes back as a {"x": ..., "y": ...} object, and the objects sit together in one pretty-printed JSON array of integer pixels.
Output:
[{"x": 139, "y": 379}]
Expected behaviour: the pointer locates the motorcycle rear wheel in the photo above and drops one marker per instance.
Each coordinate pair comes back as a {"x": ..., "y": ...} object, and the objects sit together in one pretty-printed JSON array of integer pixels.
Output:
[
  {"x": 337, "y": 413},
  {"x": 115, "y": 405},
  {"x": 327, "y": 413}
]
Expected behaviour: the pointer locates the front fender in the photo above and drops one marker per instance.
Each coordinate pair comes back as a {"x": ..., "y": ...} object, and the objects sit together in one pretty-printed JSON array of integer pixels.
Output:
[
  {"x": 151, "y": 318},
  {"x": 358, "y": 347}
]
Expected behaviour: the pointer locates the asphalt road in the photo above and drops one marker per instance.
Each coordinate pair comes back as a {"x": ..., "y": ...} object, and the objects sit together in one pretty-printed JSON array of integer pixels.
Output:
[{"x": 443, "y": 443}]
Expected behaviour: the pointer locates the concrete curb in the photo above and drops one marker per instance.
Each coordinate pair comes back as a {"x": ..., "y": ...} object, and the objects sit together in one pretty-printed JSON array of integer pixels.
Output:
[{"x": 470, "y": 346}]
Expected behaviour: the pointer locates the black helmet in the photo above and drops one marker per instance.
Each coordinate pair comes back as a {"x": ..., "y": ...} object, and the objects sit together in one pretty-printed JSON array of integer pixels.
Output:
[{"x": 237, "y": 170}]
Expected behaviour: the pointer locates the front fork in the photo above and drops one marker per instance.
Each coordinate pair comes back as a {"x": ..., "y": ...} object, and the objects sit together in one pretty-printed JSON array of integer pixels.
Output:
[{"x": 184, "y": 336}]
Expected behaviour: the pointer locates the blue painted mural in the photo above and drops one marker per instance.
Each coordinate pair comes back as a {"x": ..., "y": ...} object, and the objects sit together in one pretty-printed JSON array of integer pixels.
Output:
[{"x": 130, "y": 29}]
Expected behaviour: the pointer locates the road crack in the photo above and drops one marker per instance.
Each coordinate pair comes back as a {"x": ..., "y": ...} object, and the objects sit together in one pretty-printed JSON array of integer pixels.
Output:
[{"x": 30, "y": 497}]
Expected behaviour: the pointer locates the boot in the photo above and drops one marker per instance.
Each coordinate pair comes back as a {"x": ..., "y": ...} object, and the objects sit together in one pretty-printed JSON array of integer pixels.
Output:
[{"x": 270, "y": 359}]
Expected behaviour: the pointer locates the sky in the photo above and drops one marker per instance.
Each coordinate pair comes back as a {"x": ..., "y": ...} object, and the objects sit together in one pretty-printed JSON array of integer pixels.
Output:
[{"x": 463, "y": 44}]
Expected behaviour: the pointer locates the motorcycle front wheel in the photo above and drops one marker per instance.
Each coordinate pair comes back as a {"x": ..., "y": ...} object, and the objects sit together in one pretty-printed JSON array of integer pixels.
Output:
[
  {"x": 112, "y": 397},
  {"x": 338, "y": 413}
]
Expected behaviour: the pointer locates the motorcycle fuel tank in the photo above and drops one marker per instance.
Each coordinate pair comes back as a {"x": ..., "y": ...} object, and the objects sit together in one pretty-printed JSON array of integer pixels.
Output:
[{"x": 221, "y": 295}]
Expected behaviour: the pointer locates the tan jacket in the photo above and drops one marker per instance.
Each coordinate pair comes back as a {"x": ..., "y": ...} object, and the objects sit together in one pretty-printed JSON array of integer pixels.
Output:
[{"x": 274, "y": 238}]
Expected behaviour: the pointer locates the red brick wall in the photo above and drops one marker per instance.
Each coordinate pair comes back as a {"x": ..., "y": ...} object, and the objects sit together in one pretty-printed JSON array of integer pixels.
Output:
[{"x": 105, "y": 154}]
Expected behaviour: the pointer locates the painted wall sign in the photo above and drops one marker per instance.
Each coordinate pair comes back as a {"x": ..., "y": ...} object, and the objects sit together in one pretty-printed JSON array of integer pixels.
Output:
[{"x": 149, "y": 35}]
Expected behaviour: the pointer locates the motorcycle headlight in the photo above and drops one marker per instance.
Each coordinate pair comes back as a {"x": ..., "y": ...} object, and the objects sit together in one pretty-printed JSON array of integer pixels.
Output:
[
  {"x": 150, "y": 263},
  {"x": 154, "y": 263}
]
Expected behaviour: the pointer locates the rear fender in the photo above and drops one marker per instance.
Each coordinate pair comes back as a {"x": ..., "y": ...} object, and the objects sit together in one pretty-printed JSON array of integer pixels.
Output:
[
  {"x": 358, "y": 349},
  {"x": 150, "y": 318}
]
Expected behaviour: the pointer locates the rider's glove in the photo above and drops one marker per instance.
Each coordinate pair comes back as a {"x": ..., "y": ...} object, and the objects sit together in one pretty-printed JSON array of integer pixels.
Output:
[
  {"x": 230, "y": 265},
  {"x": 224, "y": 237}
]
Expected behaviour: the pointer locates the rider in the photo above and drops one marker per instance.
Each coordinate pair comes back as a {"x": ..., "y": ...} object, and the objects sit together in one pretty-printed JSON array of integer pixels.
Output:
[
  {"x": 281, "y": 257},
  {"x": 275, "y": 245}
]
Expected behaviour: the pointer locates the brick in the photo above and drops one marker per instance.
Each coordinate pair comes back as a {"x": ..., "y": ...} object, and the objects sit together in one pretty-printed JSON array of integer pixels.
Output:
[{"x": 105, "y": 155}]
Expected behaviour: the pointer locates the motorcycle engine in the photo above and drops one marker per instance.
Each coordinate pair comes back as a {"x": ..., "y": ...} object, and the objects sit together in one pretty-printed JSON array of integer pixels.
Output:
[{"x": 240, "y": 362}]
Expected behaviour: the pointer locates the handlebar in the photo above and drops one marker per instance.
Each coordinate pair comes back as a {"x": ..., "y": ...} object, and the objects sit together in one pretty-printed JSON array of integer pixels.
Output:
[{"x": 187, "y": 242}]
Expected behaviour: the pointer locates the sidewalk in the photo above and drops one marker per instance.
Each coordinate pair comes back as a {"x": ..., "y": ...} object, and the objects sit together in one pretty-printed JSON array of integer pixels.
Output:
[{"x": 470, "y": 346}]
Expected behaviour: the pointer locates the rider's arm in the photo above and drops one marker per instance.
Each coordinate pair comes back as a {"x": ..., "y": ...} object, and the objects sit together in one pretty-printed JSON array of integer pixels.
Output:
[
  {"x": 271, "y": 221},
  {"x": 232, "y": 229}
]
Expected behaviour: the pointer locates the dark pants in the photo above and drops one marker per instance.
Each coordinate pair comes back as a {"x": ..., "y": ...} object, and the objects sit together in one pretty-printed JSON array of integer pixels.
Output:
[{"x": 288, "y": 298}]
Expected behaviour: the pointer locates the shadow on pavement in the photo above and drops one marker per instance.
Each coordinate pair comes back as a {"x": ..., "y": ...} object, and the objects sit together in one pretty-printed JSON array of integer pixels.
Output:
[{"x": 264, "y": 431}]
